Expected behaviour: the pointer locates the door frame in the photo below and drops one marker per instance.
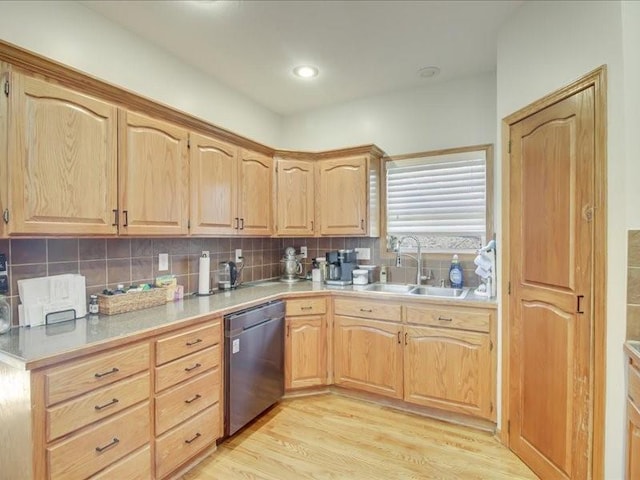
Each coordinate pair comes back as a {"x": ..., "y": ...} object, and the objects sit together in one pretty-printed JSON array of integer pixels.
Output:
[{"x": 598, "y": 79}]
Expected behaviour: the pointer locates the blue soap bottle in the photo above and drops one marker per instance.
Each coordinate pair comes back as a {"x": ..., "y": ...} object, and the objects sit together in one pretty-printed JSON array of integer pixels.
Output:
[{"x": 455, "y": 273}]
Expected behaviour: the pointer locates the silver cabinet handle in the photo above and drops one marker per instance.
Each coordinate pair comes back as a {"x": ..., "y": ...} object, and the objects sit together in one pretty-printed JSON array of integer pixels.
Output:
[
  {"x": 104, "y": 374},
  {"x": 108, "y": 404},
  {"x": 113, "y": 443}
]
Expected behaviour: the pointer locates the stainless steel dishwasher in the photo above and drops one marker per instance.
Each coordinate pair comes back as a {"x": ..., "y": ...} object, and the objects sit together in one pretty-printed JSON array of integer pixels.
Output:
[{"x": 254, "y": 362}]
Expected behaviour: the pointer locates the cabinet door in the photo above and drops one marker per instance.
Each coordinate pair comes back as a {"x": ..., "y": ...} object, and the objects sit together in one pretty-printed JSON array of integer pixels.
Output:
[
  {"x": 633, "y": 441},
  {"x": 62, "y": 159},
  {"x": 449, "y": 369},
  {"x": 214, "y": 186},
  {"x": 305, "y": 351},
  {"x": 343, "y": 196},
  {"x": 295, "y": 197},
  {"x": 256, "y": 180},
  {"x": 368, "y": 355},
  {"x": 153, "y": 176}
]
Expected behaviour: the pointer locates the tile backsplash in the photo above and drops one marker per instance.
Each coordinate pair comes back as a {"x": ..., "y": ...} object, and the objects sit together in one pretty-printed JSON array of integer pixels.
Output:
[
  {"x": 633, "y": 285},
  {"x": 108, "y": 262}
]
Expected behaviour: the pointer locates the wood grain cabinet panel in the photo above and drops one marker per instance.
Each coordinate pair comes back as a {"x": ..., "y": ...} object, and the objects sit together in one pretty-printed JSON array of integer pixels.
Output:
[
  {"x": 343, "y": 184},
  {"x": 305, "y": 351},
  {"x": 92, "y": 450},
  {"x": 186, "y": 399},
  {"x": 185, "y": 441},
  {"x": 295, "y": 197},
  {"x": 306, "y": 306},
  {"x": 214, "y": 186},
  {"x": 368, "y": 309},
  {"x": 153, "y": 173},
  {"x": 70, "y": 416},
  {"x": 633, "y": 441},
  {"x": 256, "y": 186},
  {"x": 62, "y": 159},
  {"x": 136, "y": 466},
  {"x": 368, "y": 355},
  {"x": 185, "y": 342},
  {"x": 82, "y": 376},
  {"x": 187, "y": 367},
  {"x": 449, "y": 369},
  {"x": 451, "y": 317}
]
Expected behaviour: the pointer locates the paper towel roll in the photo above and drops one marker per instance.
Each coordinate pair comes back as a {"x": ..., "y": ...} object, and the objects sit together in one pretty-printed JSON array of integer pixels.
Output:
[{"x": 203, "y": 275}]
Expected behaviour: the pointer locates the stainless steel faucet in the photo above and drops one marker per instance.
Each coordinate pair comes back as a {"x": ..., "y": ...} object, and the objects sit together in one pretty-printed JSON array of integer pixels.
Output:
[{"x": 418, "y": 255}]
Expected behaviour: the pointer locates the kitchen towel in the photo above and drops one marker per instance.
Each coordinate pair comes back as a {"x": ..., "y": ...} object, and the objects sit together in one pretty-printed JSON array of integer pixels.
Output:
[
  {"x": 204, "y": 275},
  {"x": 483, "y": 261}
]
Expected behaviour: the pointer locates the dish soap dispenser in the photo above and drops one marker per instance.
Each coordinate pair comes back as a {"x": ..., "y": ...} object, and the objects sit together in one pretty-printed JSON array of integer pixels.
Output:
[{"x": 455, "y": 273}]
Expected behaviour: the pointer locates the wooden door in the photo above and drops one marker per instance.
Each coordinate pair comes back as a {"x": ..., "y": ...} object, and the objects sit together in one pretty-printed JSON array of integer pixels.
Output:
[
  {"x": 368, "y": 355},
  {"x": 305, "y": 351},
  {"x": 214, "y": 186},
  {"x": 153, "y": 176},
  {"x": 62, "y": 160},
  {"x": 295, "y": 197},
  {"x": 343, "y": 196},
  {"x": 256, "y": 181},
  {"x": 449, "y": 369},
  {"x": 550, "y": 306}
]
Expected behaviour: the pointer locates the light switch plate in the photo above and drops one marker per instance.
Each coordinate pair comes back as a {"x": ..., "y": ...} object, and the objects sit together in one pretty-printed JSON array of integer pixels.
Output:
[
  {"x": 363, "y": 253},
  {"x": 239, "y": 255},
  {"x": 163, "y": 262},
  {"x": 303, "y": 251}
]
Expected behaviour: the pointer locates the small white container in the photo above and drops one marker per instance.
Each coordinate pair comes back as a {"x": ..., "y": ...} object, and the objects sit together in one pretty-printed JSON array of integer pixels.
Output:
[
  {"x": 360, "y": 277},
  {"x": 316, "y": 275}
]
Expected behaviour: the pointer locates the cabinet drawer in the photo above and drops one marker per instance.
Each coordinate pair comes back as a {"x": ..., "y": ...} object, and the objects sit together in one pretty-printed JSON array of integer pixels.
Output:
[
  {"x": 634, "y": 386},
  {"x": 186, "y": 342},
  {"x": 136, "y": 466},
  {"x": 183, "y": 442},
  {"x": 96, "y": 448},
  {"x": 477, "y": 321},
  {"x": 74, "y": 414},
  {"x": 185, "y": 400},
  {"x": 367, "y": 309},
  {"x": 306, "y": 306},
  {"x": 88, "y": 374},
  {"x": 187, "y": 367}
]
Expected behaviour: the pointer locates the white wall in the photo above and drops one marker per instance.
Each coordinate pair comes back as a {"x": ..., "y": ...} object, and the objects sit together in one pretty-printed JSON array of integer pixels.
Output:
[
  {"x": 542, "y": 47},
  {"x": 76, "y": 36},
  {"x": 439, "y": 115}
]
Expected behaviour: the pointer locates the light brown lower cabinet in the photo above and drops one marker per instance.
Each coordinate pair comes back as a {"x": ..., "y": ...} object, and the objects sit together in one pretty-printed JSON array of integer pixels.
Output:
[
  {"x": 306, "y": 343},
  {"x": 633, "y": 421}
]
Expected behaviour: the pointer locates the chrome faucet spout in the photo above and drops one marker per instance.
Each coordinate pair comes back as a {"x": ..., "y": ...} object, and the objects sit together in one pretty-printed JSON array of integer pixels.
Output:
[{"x": 418, "y": 255}]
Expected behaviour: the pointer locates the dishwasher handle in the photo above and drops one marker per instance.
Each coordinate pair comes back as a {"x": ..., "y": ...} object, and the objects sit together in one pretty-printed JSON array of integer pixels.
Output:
[{"x": 256, "y": 325}]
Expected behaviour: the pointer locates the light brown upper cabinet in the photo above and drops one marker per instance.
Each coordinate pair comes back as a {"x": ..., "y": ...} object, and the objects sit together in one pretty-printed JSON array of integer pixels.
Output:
[
  {"x": 153, "y": 173},
  {"x": 343, "y": 196},
  {"x": 62, "y": 160},
  {"x": 256, "y": 186},
  {"x": 295, "y": 197},
  {"x": 214, "y": 186},
  {"x": 231, "y": 189}
]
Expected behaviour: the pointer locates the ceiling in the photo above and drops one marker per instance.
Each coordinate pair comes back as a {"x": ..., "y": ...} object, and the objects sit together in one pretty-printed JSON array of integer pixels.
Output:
[{"x": 362, "y": 48}]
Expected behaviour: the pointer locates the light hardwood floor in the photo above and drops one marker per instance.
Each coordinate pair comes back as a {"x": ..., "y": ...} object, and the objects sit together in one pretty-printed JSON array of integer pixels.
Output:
[{"x": 334, "y": 437}]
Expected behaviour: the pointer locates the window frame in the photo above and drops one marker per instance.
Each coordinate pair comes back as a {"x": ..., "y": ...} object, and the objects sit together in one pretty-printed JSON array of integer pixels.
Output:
[{"x": 489, "y": 205}]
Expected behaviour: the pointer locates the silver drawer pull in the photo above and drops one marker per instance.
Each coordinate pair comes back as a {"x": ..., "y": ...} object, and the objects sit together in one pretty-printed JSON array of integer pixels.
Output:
[
  {"x": 188, "y": 369},
  {"x": 195, "y": 342},
  {"x": 104, "y": 374},
  {"x": 113, "y": 443},
  {"x": 445, "y": 319},
  {"x": 197, "y": 436},
  {"x": 368, "y": 310},
  {"x": 193, "y": 399},
  {"x": 108, "y": 404}
]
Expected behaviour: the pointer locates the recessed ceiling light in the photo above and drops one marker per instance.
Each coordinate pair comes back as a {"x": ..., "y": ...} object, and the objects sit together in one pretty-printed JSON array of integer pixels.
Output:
[
  {"x": 305, "y": 71},
  {"x": 428, "y": 72}
]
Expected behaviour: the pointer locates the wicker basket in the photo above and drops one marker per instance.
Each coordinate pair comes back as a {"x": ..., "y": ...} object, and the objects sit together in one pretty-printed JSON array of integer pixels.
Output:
[{"x": 129, "y": 302}]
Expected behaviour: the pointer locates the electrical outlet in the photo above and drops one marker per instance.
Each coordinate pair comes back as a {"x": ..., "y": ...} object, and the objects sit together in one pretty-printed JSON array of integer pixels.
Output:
[
  {"x": 363, "y": 253},
  {"x": 163, "y": 262},
  {"x": 239, "y": 257},
  {"x": 303, "y": 252}
]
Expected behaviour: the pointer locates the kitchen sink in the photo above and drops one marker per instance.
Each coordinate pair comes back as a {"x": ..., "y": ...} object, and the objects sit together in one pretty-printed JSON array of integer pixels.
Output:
[
  {"x": 389, "y": 287},
  {"x": 427, "y": 291}
]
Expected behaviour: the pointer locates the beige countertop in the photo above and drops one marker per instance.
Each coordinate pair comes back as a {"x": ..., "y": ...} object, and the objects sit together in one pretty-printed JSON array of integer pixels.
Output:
[
  {"x": 34, "y": 347},
  {"x": 632, "y": 348}
]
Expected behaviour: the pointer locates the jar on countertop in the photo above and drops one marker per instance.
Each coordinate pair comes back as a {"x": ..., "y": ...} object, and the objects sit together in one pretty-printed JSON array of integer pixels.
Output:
[{"x": 94, "y": 308}]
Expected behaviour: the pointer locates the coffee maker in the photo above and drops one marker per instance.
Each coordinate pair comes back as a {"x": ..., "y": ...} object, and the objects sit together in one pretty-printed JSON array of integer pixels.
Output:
[{"x": 341, "y": 263}]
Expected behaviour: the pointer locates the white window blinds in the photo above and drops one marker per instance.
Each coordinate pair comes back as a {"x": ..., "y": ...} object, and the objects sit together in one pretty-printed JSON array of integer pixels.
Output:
[{"x": 444, "y": 194}]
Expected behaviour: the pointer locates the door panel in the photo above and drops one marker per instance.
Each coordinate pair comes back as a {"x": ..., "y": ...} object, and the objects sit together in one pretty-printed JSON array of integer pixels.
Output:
[
  {"x": 295, "y": 192},
  {"x": 256, "y": 175},
  {"x": 551, "y": 234}
]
